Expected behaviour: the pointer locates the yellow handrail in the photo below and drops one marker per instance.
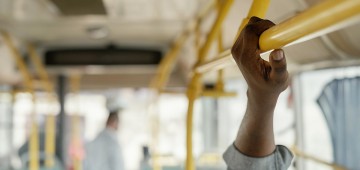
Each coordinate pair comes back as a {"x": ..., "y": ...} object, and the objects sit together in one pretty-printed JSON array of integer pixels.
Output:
[
  {"x": 34, "y": 134},
  {"x": 318, "y": 20},
  {"x": 220, "y": 77},
  {"x": 311, "y": 21},
  {"x": 194, "y": 88},
  {"x": 219, "y": 90},
  {"x": 167, "y": 63},
  {"x": 225, "y": 8},
  {"x": 302, "y": 154},
  {"x": 50, "y": 119},
  {"x": 40, "y": 69},
  {"x": 258, "y": 8}
]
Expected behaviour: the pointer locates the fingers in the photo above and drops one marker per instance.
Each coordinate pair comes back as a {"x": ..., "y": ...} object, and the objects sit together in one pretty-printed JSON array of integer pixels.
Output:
[
  {"x": 259, "y": 25},
  {"x": 278, "y": 65},
  {"x": 254, "y": 29},
  {"x": 246, "y": 48},
  {"x": 254, "y": 20},
  {"x": 250, "y": 38}
]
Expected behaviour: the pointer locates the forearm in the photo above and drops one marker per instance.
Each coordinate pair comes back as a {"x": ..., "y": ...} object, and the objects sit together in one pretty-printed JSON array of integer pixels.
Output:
[
  {"x": 266, "y": 80},
  {"x": 256, "y": 136}
]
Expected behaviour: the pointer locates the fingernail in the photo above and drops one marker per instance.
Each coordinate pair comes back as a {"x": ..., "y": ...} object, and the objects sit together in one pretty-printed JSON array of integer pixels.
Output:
[{"x": 279, "y": 55}]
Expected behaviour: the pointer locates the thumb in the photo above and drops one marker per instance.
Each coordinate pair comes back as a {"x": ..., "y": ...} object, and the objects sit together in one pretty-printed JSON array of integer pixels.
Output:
[{"x": 278, "y": 65}]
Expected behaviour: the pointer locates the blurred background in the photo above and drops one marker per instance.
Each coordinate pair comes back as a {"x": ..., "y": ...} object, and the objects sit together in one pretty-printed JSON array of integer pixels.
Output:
[{"x": 102, "y": 55}]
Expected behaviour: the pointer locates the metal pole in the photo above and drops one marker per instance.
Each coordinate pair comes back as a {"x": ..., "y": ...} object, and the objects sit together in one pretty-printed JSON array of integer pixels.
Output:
[
  {"x": 225, "y": 8},
  {"x": 167, "y": 63},
  {"x": 28, "y": 83},
  {"x": 62, "y": 118},
  {"x": 299, "y": 122},
  {"x": 192, "y": 94},
  {"x": 258, "y": 8},
  {"x": 195, "y": 86},
  {"x": 304, "y": 155},
  {"x": 321, "y": 19},
  {"x": 50, "y": 119},
  {"x": 312, "y": 20}
]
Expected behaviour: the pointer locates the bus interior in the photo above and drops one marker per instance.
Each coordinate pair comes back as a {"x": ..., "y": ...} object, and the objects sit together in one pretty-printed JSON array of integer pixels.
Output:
[{"x": 166, "y": 67}]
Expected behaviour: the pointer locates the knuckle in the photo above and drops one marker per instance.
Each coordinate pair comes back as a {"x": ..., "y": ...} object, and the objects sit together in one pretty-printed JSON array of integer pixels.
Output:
[
  {"x": 234, "y": 49},
  {"x": 249, "y": 29},
  {"x": 237, "y": 50},
  {"x": 268, "y": 23},
  {"x": 281, "y": 70},
  {"x": 254, "y": 19}
]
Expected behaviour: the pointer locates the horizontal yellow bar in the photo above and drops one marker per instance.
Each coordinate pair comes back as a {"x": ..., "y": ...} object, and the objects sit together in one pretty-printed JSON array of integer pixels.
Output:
[
  {"x": 167, "y": 63},
  {"x": 20, "y": 63},
  {"x": 299, "y": 153},
  {"x": 223, "y": 12},
  {"x": 206, "y": 93},
  {"x": 40, "y": 69},
  {"x": 218, "y": 94},
  {"x": 311, "y": 21},
  {"x": 316, "y": 21},
  {"x": 221, "y": 61},
  {"x": 166, "y": 91}
]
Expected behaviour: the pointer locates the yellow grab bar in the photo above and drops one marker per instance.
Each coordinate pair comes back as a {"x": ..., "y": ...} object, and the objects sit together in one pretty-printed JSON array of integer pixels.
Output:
[
  {"x": 195, "y": 89},
  {"x": 309, "y": 22},
  {"x": 50, "y": 119},
  {"x": 167, "y": 63},
  {"x": 28, "y": 82},
  {"x": 321, "y": 19}
]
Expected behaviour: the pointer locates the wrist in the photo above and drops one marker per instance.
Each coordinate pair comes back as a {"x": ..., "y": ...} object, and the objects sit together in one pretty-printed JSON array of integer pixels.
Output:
[
  {"x": 262, "y": 94},
  {"x": 262, "y": 100}
]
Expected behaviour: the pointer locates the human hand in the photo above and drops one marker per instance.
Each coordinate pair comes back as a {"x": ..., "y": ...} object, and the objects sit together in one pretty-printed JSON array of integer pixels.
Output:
[{"x": 262, "y": 77}]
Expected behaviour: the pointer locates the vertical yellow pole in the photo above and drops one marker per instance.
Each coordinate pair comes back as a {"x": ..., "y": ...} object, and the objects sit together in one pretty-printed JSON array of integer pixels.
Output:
[
  {"x": 193, "y": 92},
  {"x": 34, "y": 134},
  {"x": 34, "y": 145},
  {"x": 225, "y": 8},
  {"x": 258, "y": 9},
  {"x": 50, "y": 140},
  {"x": 167, "y": 63},
  {"x": 195, "y": 86},
  {"x": 163, "y": 73},
  {"x": 219, "y": 83},
  {"x": 50, "y": 119}
]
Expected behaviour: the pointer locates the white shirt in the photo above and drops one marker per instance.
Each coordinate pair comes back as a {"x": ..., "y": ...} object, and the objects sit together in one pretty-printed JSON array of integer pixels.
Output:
[{"x": 104, "y": 152}]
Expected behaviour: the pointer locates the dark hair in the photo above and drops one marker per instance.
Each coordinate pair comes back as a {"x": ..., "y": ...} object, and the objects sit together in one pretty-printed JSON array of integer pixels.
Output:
[{"x": 113, "y": 116}]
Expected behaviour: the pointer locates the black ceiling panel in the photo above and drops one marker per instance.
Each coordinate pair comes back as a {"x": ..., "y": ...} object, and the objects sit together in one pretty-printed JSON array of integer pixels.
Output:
[{"x": 80, "y": 7}]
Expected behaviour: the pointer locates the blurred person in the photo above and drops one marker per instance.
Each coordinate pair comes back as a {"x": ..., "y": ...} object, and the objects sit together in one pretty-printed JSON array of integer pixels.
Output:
[
  {"x": 104, "y": 152},
  {"x": 254, "y": 147},
  {"x": 145, "y": 162}
]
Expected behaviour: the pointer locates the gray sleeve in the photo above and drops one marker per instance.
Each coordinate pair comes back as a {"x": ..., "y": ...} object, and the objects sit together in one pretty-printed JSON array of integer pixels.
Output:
[
  {"x": 116, "y": 159},
  {"x": 280, "y": 159}
]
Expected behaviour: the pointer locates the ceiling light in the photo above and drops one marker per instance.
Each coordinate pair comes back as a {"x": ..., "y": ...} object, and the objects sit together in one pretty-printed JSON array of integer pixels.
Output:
[{"x": 97, "y": 32}]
